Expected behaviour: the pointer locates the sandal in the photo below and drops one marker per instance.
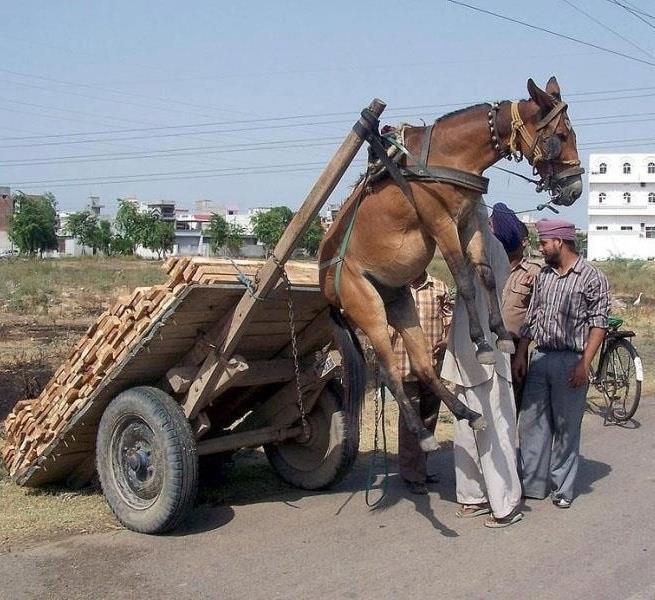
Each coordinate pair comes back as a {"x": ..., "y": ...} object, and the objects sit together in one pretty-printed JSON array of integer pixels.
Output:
[
  {"x": 496, "y": 523},
  {"x": 468, "y": 511}
]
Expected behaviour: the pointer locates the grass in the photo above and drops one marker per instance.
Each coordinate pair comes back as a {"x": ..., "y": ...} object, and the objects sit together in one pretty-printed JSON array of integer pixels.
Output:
[{"x": 46, "y": 305}]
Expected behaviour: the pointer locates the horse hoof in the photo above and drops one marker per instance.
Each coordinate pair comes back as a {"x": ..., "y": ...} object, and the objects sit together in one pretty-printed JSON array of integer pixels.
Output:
[
  {"x": 485, "y": 357},
  {"x": 428, "y": 443},
  {"x": 506, "y": 346},
  {"x": 479, "y": 424}
]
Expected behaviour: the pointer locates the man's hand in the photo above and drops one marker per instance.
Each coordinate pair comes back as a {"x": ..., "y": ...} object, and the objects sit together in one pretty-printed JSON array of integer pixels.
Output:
[
  {"x": 520, "y": 367},
  {"x": 580, "y": 374}
]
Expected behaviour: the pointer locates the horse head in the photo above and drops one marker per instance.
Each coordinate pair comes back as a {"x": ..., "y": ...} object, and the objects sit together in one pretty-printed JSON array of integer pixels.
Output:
[{"x": 554, "y": 153}]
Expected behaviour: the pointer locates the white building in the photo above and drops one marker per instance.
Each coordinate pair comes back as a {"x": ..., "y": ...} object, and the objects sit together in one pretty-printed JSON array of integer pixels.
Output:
[{"x": 621, "y": 206}]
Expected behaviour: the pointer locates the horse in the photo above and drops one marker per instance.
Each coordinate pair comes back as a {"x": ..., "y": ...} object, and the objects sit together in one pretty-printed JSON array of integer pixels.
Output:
[{"x": 387, "y": 230}]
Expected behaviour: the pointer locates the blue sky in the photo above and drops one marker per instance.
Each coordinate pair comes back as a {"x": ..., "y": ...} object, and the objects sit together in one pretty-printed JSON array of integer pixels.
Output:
[{"x": 165, "y": 100}]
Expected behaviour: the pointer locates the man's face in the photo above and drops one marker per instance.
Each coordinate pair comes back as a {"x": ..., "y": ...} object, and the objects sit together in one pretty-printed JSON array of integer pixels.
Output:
[{"x": 551, "y": 250}]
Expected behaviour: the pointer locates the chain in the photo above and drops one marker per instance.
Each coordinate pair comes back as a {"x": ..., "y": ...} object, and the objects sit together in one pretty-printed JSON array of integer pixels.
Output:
[
  {"x": 379, "y": 424},
  {"x": 294, "y": 344}
]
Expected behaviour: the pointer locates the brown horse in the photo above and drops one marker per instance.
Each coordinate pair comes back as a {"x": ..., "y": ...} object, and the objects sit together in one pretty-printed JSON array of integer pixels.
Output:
[{"x": 397, "y": 227}]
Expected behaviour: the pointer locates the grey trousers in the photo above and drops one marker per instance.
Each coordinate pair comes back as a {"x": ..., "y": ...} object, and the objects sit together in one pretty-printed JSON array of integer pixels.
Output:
[{"x": 549, "y": 425}]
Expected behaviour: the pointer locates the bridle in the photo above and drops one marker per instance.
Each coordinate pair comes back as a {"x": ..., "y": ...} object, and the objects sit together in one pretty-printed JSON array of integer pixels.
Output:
[{"x": 544, "y": 148}]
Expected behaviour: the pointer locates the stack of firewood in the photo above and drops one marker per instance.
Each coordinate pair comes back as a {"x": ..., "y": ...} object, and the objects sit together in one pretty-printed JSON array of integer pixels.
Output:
[{"x": 34, "y": 425}]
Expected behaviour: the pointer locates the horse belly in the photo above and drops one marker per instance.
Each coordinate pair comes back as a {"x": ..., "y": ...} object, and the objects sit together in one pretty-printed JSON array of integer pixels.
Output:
[{"x": 396, "y": 262}]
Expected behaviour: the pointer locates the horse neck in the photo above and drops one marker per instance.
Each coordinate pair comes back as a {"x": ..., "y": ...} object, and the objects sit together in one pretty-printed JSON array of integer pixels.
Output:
[
  {"x": 529, "y": 112},
  {"x": 463, "y": 141}
]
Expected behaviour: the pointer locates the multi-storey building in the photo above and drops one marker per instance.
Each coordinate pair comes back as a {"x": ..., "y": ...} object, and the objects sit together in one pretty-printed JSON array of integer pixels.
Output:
[{"x": 621, "y": 206}]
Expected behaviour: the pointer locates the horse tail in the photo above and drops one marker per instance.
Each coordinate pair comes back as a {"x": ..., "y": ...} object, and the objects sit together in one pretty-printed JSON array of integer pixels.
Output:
[{"x": 354, "y": 375}]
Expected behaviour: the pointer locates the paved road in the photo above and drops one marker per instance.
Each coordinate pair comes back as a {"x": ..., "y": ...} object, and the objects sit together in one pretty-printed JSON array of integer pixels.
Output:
[{"x": 331, "y": 546}]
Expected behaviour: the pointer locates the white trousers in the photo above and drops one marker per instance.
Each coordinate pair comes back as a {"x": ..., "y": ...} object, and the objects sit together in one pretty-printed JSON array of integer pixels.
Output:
[{"x": 485, "y": 461}]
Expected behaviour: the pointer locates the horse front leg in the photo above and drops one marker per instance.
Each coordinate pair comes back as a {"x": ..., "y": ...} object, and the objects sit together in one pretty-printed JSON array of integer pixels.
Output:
[
  {"x": 364, "y": 307},
  {"x": 448, "y": 240},
  {"x": 472, "y": 237},
  {"x": 403, "y": 317}
]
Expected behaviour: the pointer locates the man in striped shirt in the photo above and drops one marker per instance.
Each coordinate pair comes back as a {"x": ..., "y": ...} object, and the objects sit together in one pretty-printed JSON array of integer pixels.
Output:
[
  {"x": 435, "y": 314},
  {"x": 567, "y": 319}
]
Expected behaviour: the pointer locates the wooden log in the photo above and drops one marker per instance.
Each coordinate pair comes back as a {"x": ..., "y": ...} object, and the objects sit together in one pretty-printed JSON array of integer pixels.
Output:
[{"x": 247, "y": 439}]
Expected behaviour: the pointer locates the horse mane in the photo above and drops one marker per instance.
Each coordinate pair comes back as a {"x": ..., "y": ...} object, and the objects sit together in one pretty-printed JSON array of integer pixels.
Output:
[{"x": 460, "y": 111}]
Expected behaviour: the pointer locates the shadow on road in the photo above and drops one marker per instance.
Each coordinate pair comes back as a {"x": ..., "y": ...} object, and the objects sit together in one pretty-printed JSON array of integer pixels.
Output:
[
  {"x": 249, "y": 479},
  {"x": 589, "y": 472}
]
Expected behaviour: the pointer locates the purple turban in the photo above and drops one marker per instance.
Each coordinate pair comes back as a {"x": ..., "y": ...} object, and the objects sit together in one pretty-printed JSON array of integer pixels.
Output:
[
  {"x": 549, "y": 229},
  {"x": 507, "y": 227}
]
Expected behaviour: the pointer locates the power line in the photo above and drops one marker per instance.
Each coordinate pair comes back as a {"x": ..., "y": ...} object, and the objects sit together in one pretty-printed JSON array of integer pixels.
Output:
[
  {"x": 635, "y": 13},
  {"x": 615, "y": 119},
  {"x": 608, "y": 28},
  {"x": 257, "y": 128},
  {"x": 555, "y": 33}
]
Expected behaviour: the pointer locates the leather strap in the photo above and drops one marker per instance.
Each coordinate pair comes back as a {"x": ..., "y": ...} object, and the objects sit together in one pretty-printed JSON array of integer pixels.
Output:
[{"x": 464, "y": 179}]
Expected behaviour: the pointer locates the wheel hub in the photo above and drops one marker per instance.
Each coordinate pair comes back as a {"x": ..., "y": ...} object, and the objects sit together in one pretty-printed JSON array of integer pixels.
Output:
[{"x": 138, "y": 461}]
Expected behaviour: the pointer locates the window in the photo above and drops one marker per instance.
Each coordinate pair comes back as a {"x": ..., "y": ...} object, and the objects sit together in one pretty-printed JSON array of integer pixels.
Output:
[
  {"x": 627, "y": 169},
  {"x": 602, "y": 168},
  {"x": 651, "y": 168},
  {"x": 651, "y": 198},
  {"x": 602, "y": 197},
  {"x": 650, "y": 232},
  {"x": 626, "y": 227},
  {"x": 601, "y": 227},
  {"x": 626, "y": 197}
]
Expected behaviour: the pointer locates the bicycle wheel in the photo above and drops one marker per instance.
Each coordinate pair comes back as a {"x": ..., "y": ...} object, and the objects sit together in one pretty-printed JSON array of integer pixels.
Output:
[{"x": 621, "y": 374}]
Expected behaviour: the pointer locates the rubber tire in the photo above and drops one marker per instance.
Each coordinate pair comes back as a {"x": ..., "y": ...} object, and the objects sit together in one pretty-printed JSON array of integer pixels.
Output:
[
  {"x": 339, "y": 456},
  {"x": 173, "y": 434},
  {"x": 629, "y": 348}
]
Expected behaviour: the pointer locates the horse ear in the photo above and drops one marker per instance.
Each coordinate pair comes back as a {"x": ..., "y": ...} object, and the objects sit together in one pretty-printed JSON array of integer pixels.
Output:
[
  {"x": 544, "y": 100},
  {"x": 552, "y": 88}
]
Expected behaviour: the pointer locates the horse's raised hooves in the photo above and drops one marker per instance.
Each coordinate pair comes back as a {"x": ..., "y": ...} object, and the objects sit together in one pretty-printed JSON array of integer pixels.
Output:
[
  {"x": 428, "y": 443},
  {"x": 479, "y": 424},
  {"x": 506, "y": 346}
]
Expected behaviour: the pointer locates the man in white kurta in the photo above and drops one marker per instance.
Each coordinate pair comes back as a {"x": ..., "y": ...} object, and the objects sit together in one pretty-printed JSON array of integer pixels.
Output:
[{"x": 485, "y": 461}]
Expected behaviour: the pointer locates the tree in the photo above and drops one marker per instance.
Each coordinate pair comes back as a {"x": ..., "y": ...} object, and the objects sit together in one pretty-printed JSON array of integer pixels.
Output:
[
  {"x": 218, "y": 232},
  {"x": 270, "y": 225},
  {"x": 313, "y": 236},
  {"x": 105, "y": 240},
  {"x": 33, "y": 224},
  {"x": 159, "y": 236},
  {"x": 83, "y": 226},
  {"x": 132, "y": 225},
  {"x": 234, "y": 238}
]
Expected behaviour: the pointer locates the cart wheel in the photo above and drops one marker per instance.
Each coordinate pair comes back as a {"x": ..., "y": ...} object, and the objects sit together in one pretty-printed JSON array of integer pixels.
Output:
[
  {"x": 325, "y": 457},
  {"x": 147, "y": 460}
]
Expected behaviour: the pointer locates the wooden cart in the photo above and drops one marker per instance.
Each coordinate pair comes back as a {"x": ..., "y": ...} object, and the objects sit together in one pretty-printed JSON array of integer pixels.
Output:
[{"x": 223, "y": 367}]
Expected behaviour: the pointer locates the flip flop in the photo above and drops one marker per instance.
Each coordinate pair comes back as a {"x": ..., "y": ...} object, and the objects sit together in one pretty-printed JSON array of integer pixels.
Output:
[
  {"x": 468, "y": 511},
  {"x": 513, "y": 517}
]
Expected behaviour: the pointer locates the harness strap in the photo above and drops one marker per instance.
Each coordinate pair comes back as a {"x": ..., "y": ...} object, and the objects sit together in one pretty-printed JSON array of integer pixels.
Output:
[{"x": 449, "y": 175}]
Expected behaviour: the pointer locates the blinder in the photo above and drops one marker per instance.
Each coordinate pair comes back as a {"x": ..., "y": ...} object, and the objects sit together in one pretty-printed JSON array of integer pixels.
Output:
[{"x": 553, "y": 146}]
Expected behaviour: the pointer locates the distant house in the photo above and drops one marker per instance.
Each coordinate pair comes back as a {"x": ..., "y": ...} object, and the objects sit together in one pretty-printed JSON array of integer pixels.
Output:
[
  {"x": 621, "y": 206},
  {"x": 6, "y": 210}
]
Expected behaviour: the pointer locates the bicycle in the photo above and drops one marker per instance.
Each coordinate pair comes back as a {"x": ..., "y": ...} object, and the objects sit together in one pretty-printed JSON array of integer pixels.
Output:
[{"x": 618, "y": 373}]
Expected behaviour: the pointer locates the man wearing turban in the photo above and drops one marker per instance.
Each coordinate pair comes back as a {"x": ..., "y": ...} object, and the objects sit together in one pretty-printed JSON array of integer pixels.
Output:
[
  {"x": 567, "y": 319},
  {"x": 513, "y": 235}
]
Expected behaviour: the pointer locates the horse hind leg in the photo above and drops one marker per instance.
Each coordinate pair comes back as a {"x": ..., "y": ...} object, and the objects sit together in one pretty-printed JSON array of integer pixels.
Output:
[
  {"x": 403, "y": 317},
  {"x": 364, "y": 307}
]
